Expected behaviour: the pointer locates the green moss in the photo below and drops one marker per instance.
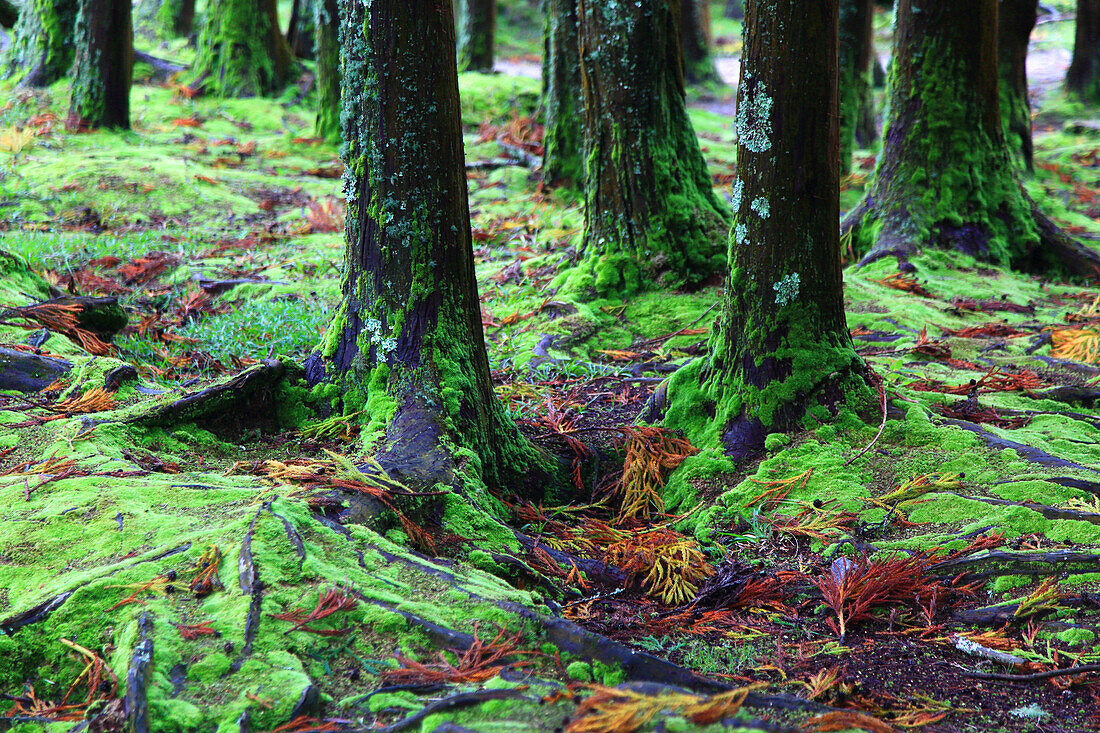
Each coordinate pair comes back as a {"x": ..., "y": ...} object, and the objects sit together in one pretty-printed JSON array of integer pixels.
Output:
[
  {"x": 580, "y": 671},
  {"x": 239, "y": 53},
  {"x": 209, "y": 668},
  {"x": 1076, "y": 637}
]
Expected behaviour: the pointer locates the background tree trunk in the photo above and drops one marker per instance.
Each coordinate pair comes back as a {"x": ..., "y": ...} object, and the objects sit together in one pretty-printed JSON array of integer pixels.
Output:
[
  {"x": 9, "y": 14},
  {"x": 104, "y": 68},
  {"x": 695, "y": 37},
  {"x": 650, "y": 209},
  {"x": 945, "y": 177},
  {"x": 326, "y": 23},
  {"x": 175, "y": 18},
  {"x": 241, "y": 50},
  {"x": 562, "y": 96},
  {"x": 781, "y": 341},
  {"x": 856, "y": 52},
  {"x": 300, "y": 32},
  {"x": 1014, "y": 24},
  {"x": 475, "y": 43},
  {"x": 41, "y": 50},
  {"x": 1083, "y": 76},
  {"x": 735, "y": 9}
]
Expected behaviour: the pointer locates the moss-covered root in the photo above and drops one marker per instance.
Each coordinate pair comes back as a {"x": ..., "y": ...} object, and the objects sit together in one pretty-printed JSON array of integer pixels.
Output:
[
  {"x": 241, "y": 50},
  {"x": 41, "y": 48}
]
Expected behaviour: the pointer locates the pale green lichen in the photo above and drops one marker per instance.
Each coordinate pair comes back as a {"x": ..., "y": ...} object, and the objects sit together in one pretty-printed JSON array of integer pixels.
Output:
[
  {"x": 754, "y": 124},
  {"x": 761, "y": 206},
  {"x": 786, "y": 290}
]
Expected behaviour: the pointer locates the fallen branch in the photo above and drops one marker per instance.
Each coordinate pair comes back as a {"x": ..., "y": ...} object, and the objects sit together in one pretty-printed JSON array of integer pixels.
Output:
[{"x": 1082, "y": 669}]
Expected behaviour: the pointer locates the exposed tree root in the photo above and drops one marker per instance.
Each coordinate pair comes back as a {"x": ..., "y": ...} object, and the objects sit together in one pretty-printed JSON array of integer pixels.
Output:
[
  {"x": 995, "y": 563},
  {"x": 1049, "y": 512},
  {"x": 137, "y": 678},
  {"x": 1026, "y": 452},
  {"x": 24, "y": 371}
]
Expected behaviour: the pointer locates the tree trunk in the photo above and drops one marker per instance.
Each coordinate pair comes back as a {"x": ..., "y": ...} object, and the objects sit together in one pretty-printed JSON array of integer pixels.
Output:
[
  {"x": 945, "y": 177},
  {"x": 781, "y": 342},
  {"x": 695, "y": 37},
  {"x": 857, "y": 112},
  {"x": 241, "y": 50},
  {"x": 41, "y": 49},
  {"x": 176, "y": 18},
  {"x": 406, "y": 345},
  {"x": 104, "y": 68},
  {"x": 650, "y": 210},
  {"x": 562, "y": 96},
  {"x": 1017, "y": 18},
  {"x": 9, "y": 14},
  {"x": 326, "y": 22},
  {"x": 1083, "y": 76},
  {"x": 475, "y": 43},
  {"x": 735, "y": 9},
  {"x": 300, "y": 32}
]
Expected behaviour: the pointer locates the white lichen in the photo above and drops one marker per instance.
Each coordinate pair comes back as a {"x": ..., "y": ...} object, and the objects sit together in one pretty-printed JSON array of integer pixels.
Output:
[
  {"x": 761, "y": 206},
  {"x": 754, "y": 123},
  {"x": 740, "y": 233},
  {"x": 786, "y": 290},
  {"x": 738, "y": 191}
]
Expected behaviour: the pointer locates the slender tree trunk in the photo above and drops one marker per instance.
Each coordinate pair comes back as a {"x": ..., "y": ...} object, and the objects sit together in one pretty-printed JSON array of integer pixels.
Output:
[
  {"x": 562, "y": 96},
  {"x": 945, "y": 177},
  {"x": 1014, "y": 24},
  {"x": 41, "y": 50},
  {"x": 1083, "y": 76},
  {"x": 176, "y": 18},
  {"x": 735, "y": 9},
  {"x": 406, "y": 345},
  {"x": 241, "y": 50},
  {"x": 695, "y": 37},
  {"x": 650, "y": 210},
  {"x": 104, "y": 68},
  {"x": 857, "y": 112},
  {"x": 781, "y": 342},
  {"x": 300, "y": 32},
  {"x": 475, "y": 43},
  {"x": 326, "y": 22}
]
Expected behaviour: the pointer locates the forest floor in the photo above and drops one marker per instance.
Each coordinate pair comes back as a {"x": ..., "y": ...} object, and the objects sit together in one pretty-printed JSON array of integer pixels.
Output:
[{"x": 933, "y": 562}]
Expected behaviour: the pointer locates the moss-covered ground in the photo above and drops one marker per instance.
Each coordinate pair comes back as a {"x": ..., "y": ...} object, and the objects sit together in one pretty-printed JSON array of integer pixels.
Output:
[{"x": 159, "y": 546}]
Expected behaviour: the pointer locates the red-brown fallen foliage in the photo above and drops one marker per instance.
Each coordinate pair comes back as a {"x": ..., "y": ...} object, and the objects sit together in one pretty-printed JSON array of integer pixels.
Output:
[
  {"x": 482, "y": 661},
  {"x": 329, "y": 602}
]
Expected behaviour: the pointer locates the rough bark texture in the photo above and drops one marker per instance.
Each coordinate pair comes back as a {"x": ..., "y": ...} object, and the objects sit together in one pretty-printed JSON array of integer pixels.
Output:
[
  {"x": 41, "y": 48},
  {"x": 945, "y": 176},
  {"x": 650, "y": 210},
  {"x": 695, "y": 37},
  {"x": 781, "y": 342},
  {"x": 1017, "y": 18},
  {"x": 300, "y": 32},
  {"x": 856, "y": 52},
  {"x": 562, "y": 96},
  {"x": 241, "y": 50},
  {"x": 406, "y": 346},
  {"x": 326, "y": 23},
  {"x": 104, "y": 66},
  {"x": 1083, "y": 76},
  {"x": 175, "y": 18},
  {"x": 475, "y": 42}
]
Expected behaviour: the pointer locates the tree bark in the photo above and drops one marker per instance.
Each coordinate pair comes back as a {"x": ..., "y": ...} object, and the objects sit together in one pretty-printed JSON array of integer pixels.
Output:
[
  {"x": 695, "y": 37},
  {"x": 856, "y": 52},
  {"x": 326, "y": 23},
  {"x": 1017, "y": 18},
  {"x": 300, "y": 32},
  {"x": 241, "y": 50},
  {"x": 562, "y": 96},
  {"x": 1083, "y": 76},
  {"x": 945, "y": 176},
  {"x": 41, "y": 50},
  {"x": 175, "y": 18},
  {"x": 406, "y": 345},
  {"x": 475, "y": 43},
  {"x": 104, "y": 68},
  {"x": 650, "y": 209},
  {"x": 781, "y": 342}
]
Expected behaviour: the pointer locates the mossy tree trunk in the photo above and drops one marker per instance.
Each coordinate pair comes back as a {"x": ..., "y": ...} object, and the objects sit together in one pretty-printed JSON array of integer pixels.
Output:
[
  {"x": 241, "y": 50},
  {"x": 1017, "y": 19},
  {"x": 41, "y": 47},
  {"x": 562, "y": 96},
  {"x": 781, "y": 342},
  {"x": 1083, "y": 76},
  {"x": 104, "y": 68},
  {"x": 475, "y": 42},
  {"x": 326, "y": 23},
  {"x": 175, "y": 18},
  {"x": 856, "y": 52},
  {"x": 945, "y": 176},
  {"x": 406, "y": 345},
  {"x": 650, "y": 209},
  {"x": 695, "y": 37},
  {"x": 300, "y": 32}
]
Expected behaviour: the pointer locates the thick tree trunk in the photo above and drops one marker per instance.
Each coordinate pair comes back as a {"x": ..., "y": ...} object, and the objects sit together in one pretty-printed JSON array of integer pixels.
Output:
[
  {"x": 475, "y": 42},
  {"x": 945, "y": 176},
  {"x": 650, "y": 210},
  {"x": 41, "y": 50},
  {"x": 175, "y": 18},
  {"x": 326, "y": 23},
  {"x": 857, "y": 112},
  {"x": 781, "y": 342},
  {"x": 562, "y": 96},
  {"x": 1017, "y": 18},
  {"x": 241, "y": 50},
  {"x": 407, "y": 345},
  {"x": 300, "y": 32},
  {"x": 104, "y": 68},
  {"x": 1083, "y": 76},
  {"x": 695, "y": 37}
]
